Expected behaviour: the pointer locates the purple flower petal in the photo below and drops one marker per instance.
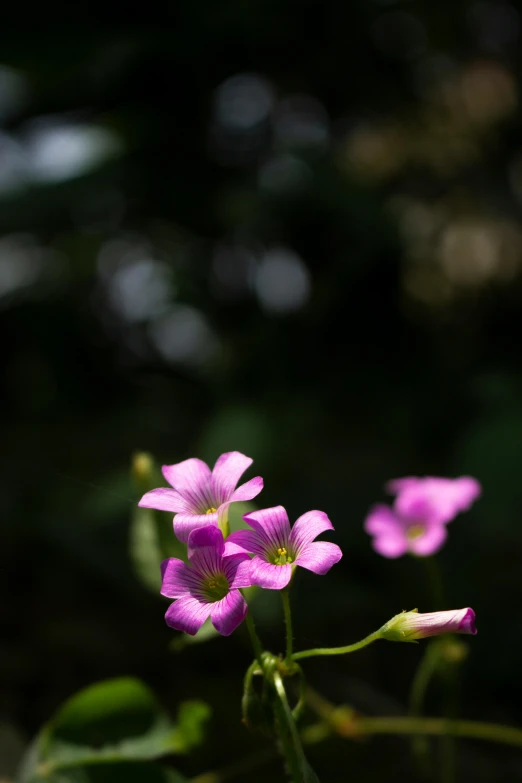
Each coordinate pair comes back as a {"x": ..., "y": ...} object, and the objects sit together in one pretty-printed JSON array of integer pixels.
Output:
[
  {"x": 467, "y": 622},
  {"x": 227, "y": 471},
  {"x": 381, "y": 520},
  {"x": 307, "y": 528},
  {"x": 244, "y": 541},
  {"x": 391, "y": 544},
  {"x": 409, "y": 626},
  {"x": 434, "y": 499},
  {"x": 319, "y": 556},
  {"x": 184, "y": 524},
  {"x": 187, "y": 614},
  {"x": 177, "y": 578},
  {"x": 205, "y": 549},
  {"x": 164, "y": 499},
  {"x": 430, "y": 541},
  {"x": 398, "y": 485},
  {"x": 192, "y": 479},
  {"x": 238, "y": 569},
  {"x": 228, "y": 613},
  {"x": 272, "y": 577},
  {"x": 272, "y": 525},
  {"x": 249, "y": 490}
]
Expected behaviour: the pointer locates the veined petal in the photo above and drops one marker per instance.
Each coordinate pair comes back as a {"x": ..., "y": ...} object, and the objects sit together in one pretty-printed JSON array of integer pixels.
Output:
[
  {"x": 430, "y": 541},
  {"x": 319, "y": 556},
  {"x": 391, "y": 544},
  {"x": 382, "y": 520},
  {"x": 409, "y": 626},
  {"x": 205, "y": 550},
  {"x": 184, "y": 524},
  {"x": 164, "y": 499},
  {"x": 192, "y": 479},
  {"x": 177, "y": 578},
  {"x": 272, "y": 526},
  {"x": 272, "y": 577},
  {"x": 249, "y": 490},
  {"x": 228, "y": 613},
  {"x": 238, "y": 569},
  {"x": 227, "y": 471},
  {"x": 244, "y": 541},
  {"x": 187, "y": 614},
  {"x": 307, "y": 528}
]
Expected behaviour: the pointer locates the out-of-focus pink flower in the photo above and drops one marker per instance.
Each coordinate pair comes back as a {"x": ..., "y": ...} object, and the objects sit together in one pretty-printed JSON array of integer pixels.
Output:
[{"x": 417, "y": 520}]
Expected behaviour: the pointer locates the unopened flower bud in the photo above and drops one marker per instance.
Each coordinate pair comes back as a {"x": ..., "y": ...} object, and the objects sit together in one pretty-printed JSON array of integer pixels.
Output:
[
  {"x": 409, "y": 626},
  {"x": 142, "y": 467}
]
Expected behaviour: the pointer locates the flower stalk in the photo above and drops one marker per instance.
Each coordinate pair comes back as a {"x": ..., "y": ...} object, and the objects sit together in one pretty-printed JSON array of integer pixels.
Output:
[
  {"x": 349, "y": 648},
  {"x": 285, "y": 597}
]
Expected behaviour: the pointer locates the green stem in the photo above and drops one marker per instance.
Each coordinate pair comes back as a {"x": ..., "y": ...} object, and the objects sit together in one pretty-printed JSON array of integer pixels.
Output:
[
  {"x": 338, "y": 650},
  {"x": 449, "y": 746},
  {"x": 490, "y": 732},
  {"x": 288, "y": 734},
  {"x": 254, "y": 638},
  {"x": 425, "y": 671},
  {"x": 285, "y": 596}
]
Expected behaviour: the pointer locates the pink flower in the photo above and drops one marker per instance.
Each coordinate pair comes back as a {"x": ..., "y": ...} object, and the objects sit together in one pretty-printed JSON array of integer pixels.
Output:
[
  {"x": 417, "y": 521},
  {"x": 279, "y": 548},
  {"x": 208, "y": 586},
  {"x": 201, "y": 496},
  {"x": 409, "y": 626}
]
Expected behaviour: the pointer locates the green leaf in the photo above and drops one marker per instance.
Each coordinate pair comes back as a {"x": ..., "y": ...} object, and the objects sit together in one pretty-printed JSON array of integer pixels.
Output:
[
  {"x": 192, "y": 717},
  {"x": 110, "y": 723},
  {"x": 152, "y": 540},
  {"x": 236, "y": 512}
]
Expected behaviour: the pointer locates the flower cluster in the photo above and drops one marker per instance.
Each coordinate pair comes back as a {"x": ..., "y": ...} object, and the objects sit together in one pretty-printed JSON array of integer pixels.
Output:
[
  {"x": 209, "y": 584},
  {"x": 417, "y": 520}
]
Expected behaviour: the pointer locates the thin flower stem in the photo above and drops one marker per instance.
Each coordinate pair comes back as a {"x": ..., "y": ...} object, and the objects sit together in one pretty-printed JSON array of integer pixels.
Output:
[
  {"x": 423, "y": 675},
  {"x": 254, "y": 638},
  {"x": 449, "y": 745},
  {"x": 345, "y": 721},
  {"x": 338, "y": 650},
  {"x": 285, "y": 596},
  {"x": 288, "y": 734},
  {"x": 490, "y": 732}
]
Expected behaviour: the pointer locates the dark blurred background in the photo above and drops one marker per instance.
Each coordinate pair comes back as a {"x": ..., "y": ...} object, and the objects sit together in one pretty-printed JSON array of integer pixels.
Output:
[{"x": 290, "y": 230}]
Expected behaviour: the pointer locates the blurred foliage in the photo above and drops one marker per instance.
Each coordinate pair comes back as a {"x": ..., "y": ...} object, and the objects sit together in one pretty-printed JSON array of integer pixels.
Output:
[
  {"x": 111, "y": 723},
  {"x": 292, "y": 232}
]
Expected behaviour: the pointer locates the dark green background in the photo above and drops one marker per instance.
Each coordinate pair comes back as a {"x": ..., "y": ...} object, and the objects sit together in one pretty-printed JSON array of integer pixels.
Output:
[{"x": 398, "y": 185}]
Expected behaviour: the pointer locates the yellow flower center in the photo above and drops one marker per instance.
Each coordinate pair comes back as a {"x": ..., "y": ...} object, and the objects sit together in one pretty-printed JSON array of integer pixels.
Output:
[
  {"x": 415, "y": 531},
  {"x": 282, "y": 557},
  {"x": 211, "y": 510},
  {"x": 216, "y": 587}
]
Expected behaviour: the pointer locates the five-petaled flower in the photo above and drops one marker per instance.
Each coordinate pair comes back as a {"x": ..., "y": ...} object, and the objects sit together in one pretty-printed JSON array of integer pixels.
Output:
[
  {"x": 208, "y": 586},
  {"x": 409, "y": 626},
  {"x": 278, "y": 548},
  {"x": 200, "y": 496},
  {"x": 417, "y": 521}
]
